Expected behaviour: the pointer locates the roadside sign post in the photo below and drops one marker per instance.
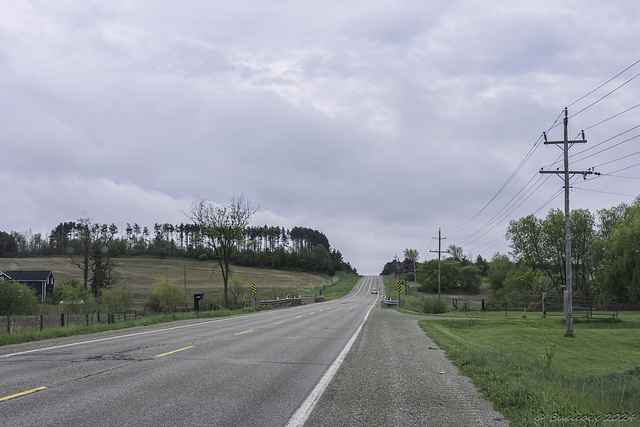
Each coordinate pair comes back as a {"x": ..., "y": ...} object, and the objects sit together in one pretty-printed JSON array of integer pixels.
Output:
[
  {"x": 253, "y": 292},
  {"x": 399, "y": 290}
]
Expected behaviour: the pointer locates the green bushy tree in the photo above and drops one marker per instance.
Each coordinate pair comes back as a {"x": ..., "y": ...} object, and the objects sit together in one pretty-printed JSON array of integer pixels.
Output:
[
  {"x": 620, "y": 276},
  {"x": 118, "y": 299},
  {"x": 17, "y": 298},
  {"x": 72, "y": 293},
  {"x": 166, "y": 297}
]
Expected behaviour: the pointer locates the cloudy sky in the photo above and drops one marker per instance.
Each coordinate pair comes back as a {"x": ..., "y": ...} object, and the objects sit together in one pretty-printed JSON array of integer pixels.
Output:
[{"x": 375, "y": 122}]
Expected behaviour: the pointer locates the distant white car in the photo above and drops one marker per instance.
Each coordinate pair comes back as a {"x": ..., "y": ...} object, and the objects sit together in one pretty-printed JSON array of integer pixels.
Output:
[{"x": 374, "y": 291}]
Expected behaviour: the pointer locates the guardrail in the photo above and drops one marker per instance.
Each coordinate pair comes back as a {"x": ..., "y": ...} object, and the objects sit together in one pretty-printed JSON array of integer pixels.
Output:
[{"x": 290, "y": 301}]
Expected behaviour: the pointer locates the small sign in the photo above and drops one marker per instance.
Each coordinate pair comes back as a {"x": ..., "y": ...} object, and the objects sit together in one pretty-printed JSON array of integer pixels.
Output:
[
  {"x": 399, "y": 285},
  {"x": 253, "y": 288}
]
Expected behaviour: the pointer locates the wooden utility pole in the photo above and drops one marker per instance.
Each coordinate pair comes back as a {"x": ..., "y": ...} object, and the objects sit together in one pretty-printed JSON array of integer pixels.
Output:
[
  {"x": 439, "y": 252},
  {"x": 568, "y": 294}
]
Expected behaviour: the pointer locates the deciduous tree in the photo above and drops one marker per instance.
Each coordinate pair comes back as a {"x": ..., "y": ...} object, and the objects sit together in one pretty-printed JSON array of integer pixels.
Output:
[{"x": 223, "y": 226}]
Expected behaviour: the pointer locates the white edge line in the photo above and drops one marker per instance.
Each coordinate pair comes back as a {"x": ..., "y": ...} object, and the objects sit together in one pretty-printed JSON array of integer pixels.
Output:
[{"x": 304, "y": 411}]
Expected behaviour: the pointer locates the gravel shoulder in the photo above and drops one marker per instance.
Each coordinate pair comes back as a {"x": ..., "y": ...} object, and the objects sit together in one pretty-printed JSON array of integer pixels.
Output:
[{"x": 396, "y": 375}]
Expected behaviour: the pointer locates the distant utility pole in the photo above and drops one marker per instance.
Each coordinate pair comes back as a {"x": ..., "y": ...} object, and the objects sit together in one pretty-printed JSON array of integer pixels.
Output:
[
  {"x": 395, "y": 264},
  {"x": 568, "y": 294},
  {"x": 439, "y": 252}
]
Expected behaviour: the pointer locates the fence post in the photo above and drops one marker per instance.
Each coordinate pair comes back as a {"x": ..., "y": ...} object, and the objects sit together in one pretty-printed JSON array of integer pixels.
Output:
[
  {"x": 61, "y": 319},
  {"x": 544, "y": 308},
  {"x": 86, "y": 319},
  {"x": 40, "y": 322},
  {"x": 8, "y": 324}
]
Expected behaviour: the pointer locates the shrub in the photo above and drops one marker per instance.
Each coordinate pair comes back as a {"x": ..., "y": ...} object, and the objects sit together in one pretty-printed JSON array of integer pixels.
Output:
[
  {"x": 17, "y": 298},
  {"x": 73, "y": 294},
  {"x": 117, "y": 299},
  {"x": 167, "y": 296},
  {"x": 433, "y": 306}
]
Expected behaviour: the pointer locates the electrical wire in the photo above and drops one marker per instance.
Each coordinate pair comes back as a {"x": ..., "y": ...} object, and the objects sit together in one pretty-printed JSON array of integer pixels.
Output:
[
  {"x": 609, "y": 148},
  {"x": 612, "y": 117},
  {"x": 511, "y": 177},
  {"x": 604, "y": 192},
  {"x": 603, "y": 97},
  {"x": 531, "y": 187}
]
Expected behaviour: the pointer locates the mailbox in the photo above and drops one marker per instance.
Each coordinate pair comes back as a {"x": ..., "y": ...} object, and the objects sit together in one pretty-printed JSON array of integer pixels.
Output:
[{"x": 197, "y": 296}]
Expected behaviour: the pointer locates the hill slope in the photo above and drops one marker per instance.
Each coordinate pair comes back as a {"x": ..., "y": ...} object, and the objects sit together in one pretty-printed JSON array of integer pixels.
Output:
[{"x": 140, "y": 274}]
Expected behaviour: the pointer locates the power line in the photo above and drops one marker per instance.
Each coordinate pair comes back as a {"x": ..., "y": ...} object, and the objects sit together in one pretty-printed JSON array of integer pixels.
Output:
[
  {"x": 511, "y": 177},
  {"x": 605, "y": 192},
  {"x": 603, "y": 84},
  {"x": 530, "y": 188},
  {"x": 612, "y": 117},
  {"x": 603, "y": 97},
  {"x": 608, "y": 148}
]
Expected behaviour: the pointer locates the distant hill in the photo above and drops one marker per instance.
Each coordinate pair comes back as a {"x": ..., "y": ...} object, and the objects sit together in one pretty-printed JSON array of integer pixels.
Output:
[{"x": 140, "y": 274}]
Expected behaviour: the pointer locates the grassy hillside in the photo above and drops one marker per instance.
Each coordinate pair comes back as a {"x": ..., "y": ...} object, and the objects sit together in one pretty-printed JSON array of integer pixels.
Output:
[{"x": 140, "y": 274}]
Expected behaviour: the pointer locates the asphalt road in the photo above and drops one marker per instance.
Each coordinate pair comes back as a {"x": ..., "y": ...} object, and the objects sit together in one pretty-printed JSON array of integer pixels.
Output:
[
  {"x": 271, "y": 368},
  {"x": 256, "y": 369}
]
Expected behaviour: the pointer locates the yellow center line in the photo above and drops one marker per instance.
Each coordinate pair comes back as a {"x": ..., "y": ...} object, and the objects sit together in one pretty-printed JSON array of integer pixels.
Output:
[
  {"x": 174, "y": 351},
  {"x": 240, "y": 333},
  {"x": 277, "y": 323},
  {"x": 297, "y": 317},
  {"x": 2, "y": 399},
  {"x": 313, "y": 312}
]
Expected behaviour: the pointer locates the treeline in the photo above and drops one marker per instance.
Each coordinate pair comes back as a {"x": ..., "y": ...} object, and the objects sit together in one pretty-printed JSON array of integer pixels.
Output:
[
  {"x": 457, "y": 272},
  {"x": 605, "y": 260},
  {"x": 299, "y": 248},
  {"x": 605, "y": 255}
]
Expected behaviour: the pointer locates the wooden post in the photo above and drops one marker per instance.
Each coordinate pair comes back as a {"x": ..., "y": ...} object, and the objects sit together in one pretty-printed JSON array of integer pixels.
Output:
[
  {"x": 8, "y": 324},
  {"x": 86, "y": 319},
  {"x": 40, "y": 322},
  {"x": 61, "y": 319},
  {"x": 544, "y": 308}
]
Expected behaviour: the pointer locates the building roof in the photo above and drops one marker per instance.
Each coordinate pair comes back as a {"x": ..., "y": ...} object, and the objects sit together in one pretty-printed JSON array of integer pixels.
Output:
[{"x": 27, "y": 276}]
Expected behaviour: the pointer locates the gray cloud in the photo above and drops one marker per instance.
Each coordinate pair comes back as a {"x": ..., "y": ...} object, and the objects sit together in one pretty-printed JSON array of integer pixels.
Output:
[{"x": 374, "y": 122}]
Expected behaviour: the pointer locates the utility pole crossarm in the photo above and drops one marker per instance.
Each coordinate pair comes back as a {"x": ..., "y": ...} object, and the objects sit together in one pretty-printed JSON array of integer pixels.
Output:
[
  {"x": 575, "y": 141},
  {"x": 572, "y": 172}
]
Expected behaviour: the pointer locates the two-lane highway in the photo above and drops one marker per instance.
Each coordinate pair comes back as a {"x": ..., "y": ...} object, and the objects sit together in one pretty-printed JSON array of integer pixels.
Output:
[{"x": 256, "y": 369}]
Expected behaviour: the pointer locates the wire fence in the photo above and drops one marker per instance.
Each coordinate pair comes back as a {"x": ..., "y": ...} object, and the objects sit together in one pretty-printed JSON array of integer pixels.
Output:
[{"x": 48, "y": 319}]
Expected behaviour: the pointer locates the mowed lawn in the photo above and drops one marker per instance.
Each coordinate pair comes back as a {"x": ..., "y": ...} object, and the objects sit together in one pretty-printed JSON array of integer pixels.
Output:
[
  {"x": 141, "y": 273},
  {"x": 537, "y": 376}
]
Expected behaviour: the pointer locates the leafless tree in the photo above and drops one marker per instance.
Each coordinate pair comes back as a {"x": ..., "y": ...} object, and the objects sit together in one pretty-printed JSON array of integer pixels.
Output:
[{"x": 223, "y": 227}]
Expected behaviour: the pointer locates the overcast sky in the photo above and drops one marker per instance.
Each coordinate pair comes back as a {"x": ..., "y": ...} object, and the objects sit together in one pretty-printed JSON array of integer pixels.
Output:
[{"x": 375, "y": 122}]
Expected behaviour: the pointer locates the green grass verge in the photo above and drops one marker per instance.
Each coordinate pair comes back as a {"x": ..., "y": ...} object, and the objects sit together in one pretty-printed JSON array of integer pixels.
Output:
[
  {"x": 342, "y": 287},
  {"x": 67, "y": 331},
  {"x": 536, "y": 376}
]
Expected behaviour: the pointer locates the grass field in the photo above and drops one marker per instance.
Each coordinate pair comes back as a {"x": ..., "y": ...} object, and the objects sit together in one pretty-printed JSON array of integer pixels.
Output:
[
  {"x": 536, "y": 376},
  {"x": 140, "y": 274}
]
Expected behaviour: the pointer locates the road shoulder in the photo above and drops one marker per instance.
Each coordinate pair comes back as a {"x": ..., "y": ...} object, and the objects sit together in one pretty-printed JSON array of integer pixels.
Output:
[{"x": 396, "y": 375}]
